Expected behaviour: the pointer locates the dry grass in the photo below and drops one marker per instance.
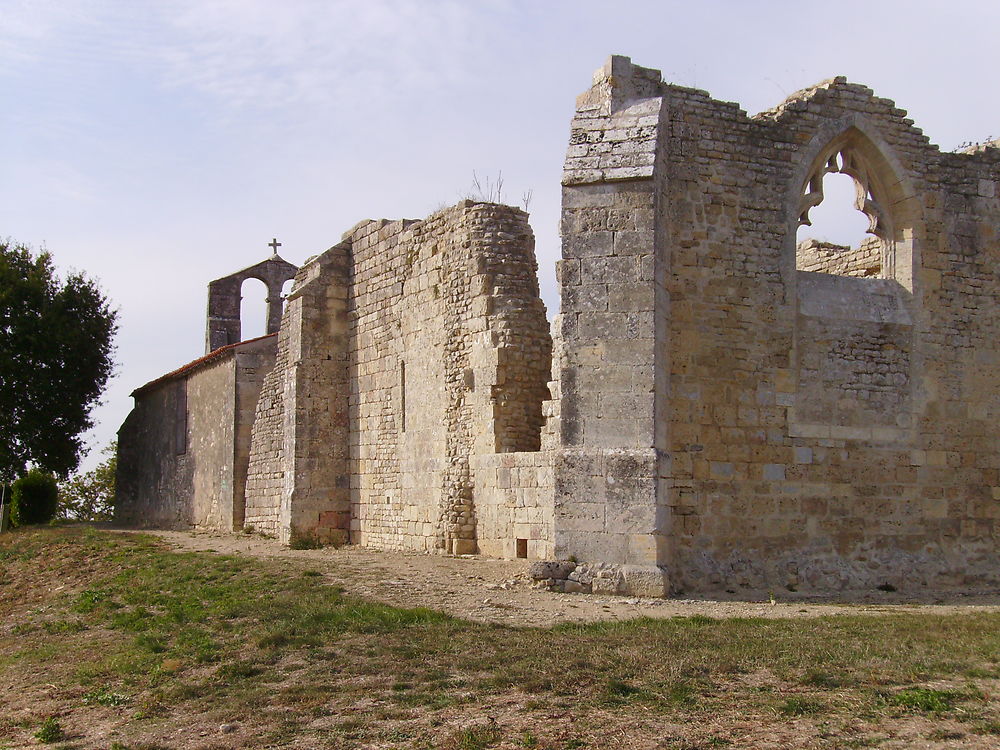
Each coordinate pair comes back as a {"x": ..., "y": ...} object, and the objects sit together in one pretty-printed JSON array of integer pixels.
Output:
[{"x": 121, "y": 643}]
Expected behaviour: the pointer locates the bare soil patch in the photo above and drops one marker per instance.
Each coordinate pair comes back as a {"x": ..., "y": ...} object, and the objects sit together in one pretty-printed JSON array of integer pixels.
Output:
[{"x": 500, "y": 591}]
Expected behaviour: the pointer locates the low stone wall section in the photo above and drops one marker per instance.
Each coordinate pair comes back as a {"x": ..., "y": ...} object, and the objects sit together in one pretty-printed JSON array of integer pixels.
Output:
[
  {"x": 513, "y": 501},
  {"x": 841, "y": 260}
]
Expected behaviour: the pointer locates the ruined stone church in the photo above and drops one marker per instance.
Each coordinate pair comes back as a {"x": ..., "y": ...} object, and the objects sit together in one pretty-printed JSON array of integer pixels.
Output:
[{"x": 714, "y": 405}]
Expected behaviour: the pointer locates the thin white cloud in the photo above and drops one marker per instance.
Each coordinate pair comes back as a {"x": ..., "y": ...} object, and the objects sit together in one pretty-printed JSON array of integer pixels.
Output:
[
  {"x": 25, "y": 26},
  {"x": 309, "y": 52},
  {"x": 261, "y": 53}
]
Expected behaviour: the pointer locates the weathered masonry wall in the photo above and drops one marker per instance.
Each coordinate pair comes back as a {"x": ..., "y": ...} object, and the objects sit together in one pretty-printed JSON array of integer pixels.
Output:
[
  {"x": 154, "y": 475},
  {"x": 298, "y": 484},
  {"x": 825, "y": 257},
  {"x": 449, "y": 360},
  {"x": 513, "y": 501},
  {"x": 614, "y": 340},
  {"x": 183, "y": 450},
  {"x": 265, "y": 484},
  {"x": 816, "y": 431},
  {"x": 405, "y": 351}
]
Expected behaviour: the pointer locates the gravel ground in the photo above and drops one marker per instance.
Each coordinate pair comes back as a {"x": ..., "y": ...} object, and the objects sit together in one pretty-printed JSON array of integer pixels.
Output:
[{"x": 500, "y": 591}]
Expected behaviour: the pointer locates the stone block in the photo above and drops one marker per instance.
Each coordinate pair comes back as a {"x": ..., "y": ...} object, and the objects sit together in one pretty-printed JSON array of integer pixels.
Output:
[
  {"x": 555, "y": 569},
  {"x": 585, "y": 298},
  {"x": 609, "y": 270},
  {"x": 629, "y": 297},
  {"x": 590, "y": 244},
  {"x": 637, "y": 243},
  {"x": 580, "y": 516},
  {"x": 773, "y": 472},
  {"x": 607, "y": 586},
  {"x": 648, "y": 581},
  {"x": 803, "y": 454}
]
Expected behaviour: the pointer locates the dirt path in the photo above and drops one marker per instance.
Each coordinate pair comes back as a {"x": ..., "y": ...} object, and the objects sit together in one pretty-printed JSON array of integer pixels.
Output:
[{"x": 500, "y": 591}]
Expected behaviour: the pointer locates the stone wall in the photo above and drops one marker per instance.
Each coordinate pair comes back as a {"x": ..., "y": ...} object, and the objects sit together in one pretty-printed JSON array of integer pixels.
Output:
[
  {"x": 450, "y": 355},
  {"x": 816, "y": 431},
  {"x": 726, "y": 408},
  {"x": 841, "y": 260},
  {"x": 265, "y": 482},
  {"x": 513, "y": 500},
  {"x": 298, "y": 484},
  {"x": 183, "y": 450},
  {"x": 613, "y": 343},
  {"x": 404, "y": 351},
  {"x": 154, "y": 474}
]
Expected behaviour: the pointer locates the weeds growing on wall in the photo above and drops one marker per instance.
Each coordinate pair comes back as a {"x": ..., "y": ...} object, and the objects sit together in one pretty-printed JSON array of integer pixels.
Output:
[{"x": 486, "y": 189}]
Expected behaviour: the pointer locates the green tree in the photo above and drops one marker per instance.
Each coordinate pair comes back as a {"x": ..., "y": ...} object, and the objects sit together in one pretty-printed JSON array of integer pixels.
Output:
[
  {"x": 91, "y": 496},
  {"x": 56, "y": 348}
]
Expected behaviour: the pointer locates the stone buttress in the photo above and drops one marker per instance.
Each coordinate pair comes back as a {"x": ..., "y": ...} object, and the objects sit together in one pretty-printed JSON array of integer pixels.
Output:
[{"x": 407, "y": 354}]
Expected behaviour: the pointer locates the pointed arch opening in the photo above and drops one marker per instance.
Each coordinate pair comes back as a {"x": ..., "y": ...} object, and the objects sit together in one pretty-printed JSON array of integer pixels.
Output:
[
  {"x": 853, "y": 340},
  {"x": 853, "y": 215},
  {"x": 835, "y": 236}
]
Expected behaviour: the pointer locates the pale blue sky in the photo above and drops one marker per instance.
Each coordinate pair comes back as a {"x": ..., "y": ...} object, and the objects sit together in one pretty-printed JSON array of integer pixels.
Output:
[{"x": 159, "y": 145}]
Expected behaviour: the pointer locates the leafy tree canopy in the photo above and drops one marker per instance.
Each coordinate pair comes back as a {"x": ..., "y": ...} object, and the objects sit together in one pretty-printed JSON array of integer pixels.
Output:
[
  {"x": 56, "y": 347},
  {"x": 91, "y": 496}
]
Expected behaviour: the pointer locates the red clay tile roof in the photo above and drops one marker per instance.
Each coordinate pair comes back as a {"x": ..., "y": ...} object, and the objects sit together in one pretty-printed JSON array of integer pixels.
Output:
[{"x": 222, "y": 351}]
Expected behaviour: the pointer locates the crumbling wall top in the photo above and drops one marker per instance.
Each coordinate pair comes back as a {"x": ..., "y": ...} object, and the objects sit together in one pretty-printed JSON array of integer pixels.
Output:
[
  {"x": 989, "y": 149},
  {"x": 615, "y": 128},
  {"x": 834, "y": 89},
  {"x": 618, "y": 83}
]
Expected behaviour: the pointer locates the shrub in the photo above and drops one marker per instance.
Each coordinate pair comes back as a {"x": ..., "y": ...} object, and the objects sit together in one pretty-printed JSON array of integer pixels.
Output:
[
  {"x": 304, "y": 541},
  {"x": 50, "y": 731},
  {"x": 34, "y": 498},
  {"x": 925, "y": 699}
]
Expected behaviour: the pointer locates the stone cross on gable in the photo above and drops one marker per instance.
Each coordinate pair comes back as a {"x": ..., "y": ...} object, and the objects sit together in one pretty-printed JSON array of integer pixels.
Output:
[{"x": 274, "y": 245}]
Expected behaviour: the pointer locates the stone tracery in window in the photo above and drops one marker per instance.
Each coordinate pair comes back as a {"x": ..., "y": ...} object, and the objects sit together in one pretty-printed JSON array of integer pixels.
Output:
[
  {"x": 873, "y": 256},
  {"x": 846, "y": 161}
]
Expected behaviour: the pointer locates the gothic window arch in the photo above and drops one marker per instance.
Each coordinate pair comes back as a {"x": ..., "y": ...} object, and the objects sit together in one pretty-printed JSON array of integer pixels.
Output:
[{"x": 886, "y": 251}]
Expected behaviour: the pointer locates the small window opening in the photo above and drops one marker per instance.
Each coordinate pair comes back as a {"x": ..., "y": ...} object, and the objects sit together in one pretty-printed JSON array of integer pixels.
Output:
[
  {"x": 402, "y": 396},
  {"x": 180, "y": 418},
  {"x": 522, "y": 549}
]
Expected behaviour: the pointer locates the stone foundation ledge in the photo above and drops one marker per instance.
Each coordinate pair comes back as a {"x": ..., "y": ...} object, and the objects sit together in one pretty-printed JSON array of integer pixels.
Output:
[{"x": 601, "y": 578}]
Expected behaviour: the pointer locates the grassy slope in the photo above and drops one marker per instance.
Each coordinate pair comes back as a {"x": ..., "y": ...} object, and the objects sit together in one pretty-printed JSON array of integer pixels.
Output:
[{"x": 122, "y": 641}]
